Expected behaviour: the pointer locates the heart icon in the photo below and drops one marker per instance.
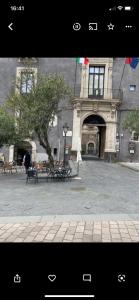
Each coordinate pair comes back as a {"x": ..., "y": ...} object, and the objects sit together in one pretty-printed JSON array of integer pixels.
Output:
[{"x": 51, "y": 277}]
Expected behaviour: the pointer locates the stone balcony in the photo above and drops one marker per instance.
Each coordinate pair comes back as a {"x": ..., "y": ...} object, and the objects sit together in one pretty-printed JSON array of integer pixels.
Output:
[{"x": 98, "y": 95}]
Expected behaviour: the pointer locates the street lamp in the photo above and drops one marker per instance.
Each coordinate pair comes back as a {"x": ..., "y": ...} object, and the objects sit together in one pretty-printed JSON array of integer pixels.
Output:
[{"x": 65, "y": 129}]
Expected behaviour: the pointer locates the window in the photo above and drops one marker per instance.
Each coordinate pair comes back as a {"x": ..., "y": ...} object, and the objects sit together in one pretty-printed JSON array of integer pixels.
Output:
[
  {"x": 55, "y": 151},
  {"x": 96, "y": 81},
  {"x": 132, "y": 87},
  {"x": 27, "y": 81},
  {"x": 135, "y": 136}
]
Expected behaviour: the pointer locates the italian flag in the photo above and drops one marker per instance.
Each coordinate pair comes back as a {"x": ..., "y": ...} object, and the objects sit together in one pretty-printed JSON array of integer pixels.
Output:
[{"x": 82, "y": 60}]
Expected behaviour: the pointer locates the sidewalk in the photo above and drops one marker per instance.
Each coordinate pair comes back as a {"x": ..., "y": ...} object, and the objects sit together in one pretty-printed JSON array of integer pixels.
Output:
[
  {"x": 65, "y": 228},
  {"x": 131, "y": 165}
]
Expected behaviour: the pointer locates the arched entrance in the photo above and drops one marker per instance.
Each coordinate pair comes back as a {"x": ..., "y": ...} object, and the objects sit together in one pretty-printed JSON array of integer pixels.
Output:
[
  {"x": 20, "y": 150},
  {"x": 90, "y": 148},
  {"x": 93, "y": 137}
]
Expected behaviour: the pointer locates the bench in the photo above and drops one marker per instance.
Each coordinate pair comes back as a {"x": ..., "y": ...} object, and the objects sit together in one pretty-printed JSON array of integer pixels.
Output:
[{"x": 55, "y": 174}]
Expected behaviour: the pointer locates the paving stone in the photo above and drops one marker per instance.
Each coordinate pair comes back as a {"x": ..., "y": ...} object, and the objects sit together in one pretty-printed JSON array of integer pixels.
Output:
[
  {"x": 10, "y": 239},
  {"x": 80, "y": 229},
  {"x": 87, "y": 238},
  {"x": 50, "y": 236},
  {"x": 106, "y": 240},
  {"x": 115, "y": 235},
  {"x": 17, "y": 225},
  {"x": 58, "y": 239},
  {"x": 78, "y": 235},
  {"x": 2, "y": 232},
  {"x": 63, "y": 229},
  {"x": 12, "y": 229},
  {"x": 52, "y": 231},
  {"x": 73, "y": 224},
  {"x": 105, "y": 224},
  {"x": 23, "y": 235},
  {"x": 60, "y": 234},
  {"x": 88, "y": 232},
  {"x": 97, "y": 238},
  {"x": 126, "y": 240},
  {"x": 7, "y": 226},
  {"x": 32, "y": 233},
  {"x": 106, "y": 236},
  {"x": 133, "y": 232},
  {"x": 65, "y": 224},
  {"x": 135, "y": 238},
  {"x": 125, "y": 235},
  {"x": 89, "y": 227},
  {"x": 19, "y": 240},
  {"x": 50, "y": 223},
  {"x": 75, "y": 240},
  {"x": 39, "y": 238},
  {"x": 66, "y": 241},
  {"x": 69, "y": 237},
  {"x": 5, "y": 235},
  {"x": 116, "y": 240},
  {"x": 123, "y": 230},
  {"x": 70, "y": 232},
  {"x": 28, "y": 239},
  {"x": 47, "y": 241}
]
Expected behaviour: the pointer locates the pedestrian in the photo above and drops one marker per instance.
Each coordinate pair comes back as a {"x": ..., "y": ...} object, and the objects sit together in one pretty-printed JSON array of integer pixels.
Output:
[{"x": 27, "y": 161}]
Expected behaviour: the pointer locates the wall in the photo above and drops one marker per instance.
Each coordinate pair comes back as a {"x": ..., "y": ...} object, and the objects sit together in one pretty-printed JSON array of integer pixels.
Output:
[{"x": 130, "y": 101}]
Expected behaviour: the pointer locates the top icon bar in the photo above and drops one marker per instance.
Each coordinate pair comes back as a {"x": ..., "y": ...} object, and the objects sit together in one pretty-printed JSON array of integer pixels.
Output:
[{"x": 121, "y": 8}]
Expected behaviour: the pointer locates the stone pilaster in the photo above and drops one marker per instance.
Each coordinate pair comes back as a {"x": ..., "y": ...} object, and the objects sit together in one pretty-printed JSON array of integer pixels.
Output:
[{"x": 76, "y": 135}]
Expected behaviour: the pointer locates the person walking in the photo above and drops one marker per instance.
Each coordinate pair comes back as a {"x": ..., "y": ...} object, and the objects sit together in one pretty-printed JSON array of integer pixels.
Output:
[{"x": 27, "y": 161}]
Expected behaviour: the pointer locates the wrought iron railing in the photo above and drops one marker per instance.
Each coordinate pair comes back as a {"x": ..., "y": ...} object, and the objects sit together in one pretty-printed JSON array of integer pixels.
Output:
[{"x": 98, "y": 93}]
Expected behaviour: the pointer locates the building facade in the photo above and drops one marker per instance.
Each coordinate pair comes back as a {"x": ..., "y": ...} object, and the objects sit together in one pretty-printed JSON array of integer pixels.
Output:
[{"x": 105, "y": 90}]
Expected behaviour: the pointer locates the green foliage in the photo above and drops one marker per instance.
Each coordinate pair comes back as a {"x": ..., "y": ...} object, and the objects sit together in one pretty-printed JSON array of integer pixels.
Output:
[
  {"x": 36, "y": 110},
  {"x": 8, "y": 134},
  {"x": 132, "y": 121}
]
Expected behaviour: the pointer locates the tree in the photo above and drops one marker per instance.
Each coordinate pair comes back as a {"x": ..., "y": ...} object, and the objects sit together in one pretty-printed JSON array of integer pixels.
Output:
[
  {"x": 8, "y": 134},
  {"x": 132, "y": 121},
  {"x": 36, "y": 109}
]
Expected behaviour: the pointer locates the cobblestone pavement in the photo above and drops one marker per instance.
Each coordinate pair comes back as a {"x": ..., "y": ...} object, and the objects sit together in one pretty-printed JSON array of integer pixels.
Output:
[
  {"x": 102, "y": 188},
  {"x": 72, "y": 231}
]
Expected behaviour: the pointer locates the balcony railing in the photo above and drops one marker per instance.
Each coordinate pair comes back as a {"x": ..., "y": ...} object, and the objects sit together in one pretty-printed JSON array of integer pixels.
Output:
[{"x": 98, "y": 93}]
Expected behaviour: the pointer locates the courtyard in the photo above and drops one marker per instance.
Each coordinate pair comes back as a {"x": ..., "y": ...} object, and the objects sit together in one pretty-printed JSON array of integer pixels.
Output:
[
  {"x": 100, "y": 205},
  {"x": 100, "y": 188}
]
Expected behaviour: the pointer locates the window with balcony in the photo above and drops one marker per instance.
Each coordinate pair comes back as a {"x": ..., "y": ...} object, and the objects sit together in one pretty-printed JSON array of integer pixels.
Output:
[
  {"x": 27, "y": 82},
  {"x": 96, "y": 81}
]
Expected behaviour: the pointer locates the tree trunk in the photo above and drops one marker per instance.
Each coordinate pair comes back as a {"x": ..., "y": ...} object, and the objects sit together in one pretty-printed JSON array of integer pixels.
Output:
[
  {"x": 45, "y": 144},
  {"x": 48, "y": 151}
]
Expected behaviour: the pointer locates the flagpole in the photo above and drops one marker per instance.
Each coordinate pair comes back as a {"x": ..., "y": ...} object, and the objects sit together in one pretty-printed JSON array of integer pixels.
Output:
[
  {"x": 75, "y": 77},
  {"x": 120, "y": 112},
  {"x": 122, "y": 75}
]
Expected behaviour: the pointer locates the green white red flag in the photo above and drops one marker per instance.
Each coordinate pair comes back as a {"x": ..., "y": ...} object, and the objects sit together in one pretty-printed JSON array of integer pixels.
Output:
[{"x": 82, "y": 60}]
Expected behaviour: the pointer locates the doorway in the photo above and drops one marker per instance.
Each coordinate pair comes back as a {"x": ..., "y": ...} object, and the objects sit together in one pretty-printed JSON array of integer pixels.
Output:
[
  {"x": 93, "y": 137},
  {"x": 20, "y": 150}
]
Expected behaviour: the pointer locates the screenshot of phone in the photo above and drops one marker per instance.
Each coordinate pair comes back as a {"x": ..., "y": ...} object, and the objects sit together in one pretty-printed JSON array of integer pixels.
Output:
[{"x": 69, "y": 151}]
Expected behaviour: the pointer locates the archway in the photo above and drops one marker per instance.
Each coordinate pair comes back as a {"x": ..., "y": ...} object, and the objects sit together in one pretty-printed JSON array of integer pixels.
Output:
[
  {"x": 90, "y": 148},
  {"x": 20, "y": 151},
  {"x": 93, "y": 137}
]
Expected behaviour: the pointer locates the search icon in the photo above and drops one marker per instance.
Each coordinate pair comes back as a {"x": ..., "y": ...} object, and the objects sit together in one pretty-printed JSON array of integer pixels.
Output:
[{"x": 87, "y": 277}]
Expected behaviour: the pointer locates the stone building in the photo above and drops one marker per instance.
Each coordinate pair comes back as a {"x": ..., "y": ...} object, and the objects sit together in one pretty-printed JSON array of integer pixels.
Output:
[{"x": 105, "y": 90}]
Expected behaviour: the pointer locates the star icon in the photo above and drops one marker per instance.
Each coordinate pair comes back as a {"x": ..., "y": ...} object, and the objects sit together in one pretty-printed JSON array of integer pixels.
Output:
[{"x": 110, "y": 26}]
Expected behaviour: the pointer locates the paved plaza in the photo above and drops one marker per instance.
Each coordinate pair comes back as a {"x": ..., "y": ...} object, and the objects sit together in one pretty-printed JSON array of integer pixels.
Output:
[
  {"x": 100, "y": 205},
  {"x": 101, "y": 188},
  {"x": 72, "y": 231}
]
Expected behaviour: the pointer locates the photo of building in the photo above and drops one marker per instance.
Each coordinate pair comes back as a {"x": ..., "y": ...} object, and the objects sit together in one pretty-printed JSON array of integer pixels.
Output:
[{"x": 104, "y": 89}]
